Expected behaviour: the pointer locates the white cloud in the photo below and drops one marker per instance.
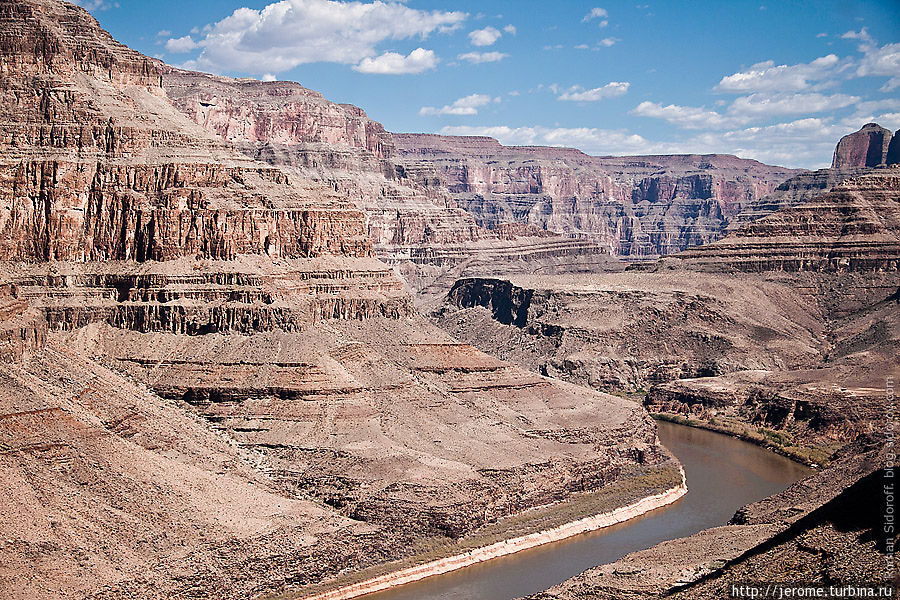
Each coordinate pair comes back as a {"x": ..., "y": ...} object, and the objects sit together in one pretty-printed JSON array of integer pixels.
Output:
[
  {"x": 762, "y": 105},
  {"x": 181, "y": 45},
  {"x": 484, "y": 37},
  {"x": 163, "y": 33},
  {"x": 861, "y": 35},
  {"x": 744, "y": 110},
  {"x": 510, "y": 29},
  {"x": 610, "y": 90},
  {"x": 686, "y": 117},
  {"x": 590, "y": 140},
  {"x": 482, "y": 57},
  {"x": 607, "y": 41},
  {"x": 597, "y": 13},
  {"x": 582, "y": 47},
  {"x": 268, "y": 77},
  {"x": 92, "y": 5},
  {"x": 467, "y": 105},
  {"x": 883, "y": 61},
  {"x": 391, "y": 63},
  {"x": 289, "y": 33},
  {"x": 766, "y": 77}
]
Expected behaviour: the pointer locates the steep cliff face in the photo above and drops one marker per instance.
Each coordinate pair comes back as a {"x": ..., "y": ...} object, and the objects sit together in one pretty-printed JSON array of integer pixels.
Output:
[
  {"x": 285, "y": 124},
  {"x": 868, "y": 147},
  {"x": 633, "y": 206},
  {"x": 97, "y": 165},
  {"x": 225, "y": 393},
  {"x": 854, "y": 227}
]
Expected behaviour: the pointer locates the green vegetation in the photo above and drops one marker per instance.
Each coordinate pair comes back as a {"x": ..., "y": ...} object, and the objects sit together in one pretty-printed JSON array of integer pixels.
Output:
[{"x": 780, "y": 442}]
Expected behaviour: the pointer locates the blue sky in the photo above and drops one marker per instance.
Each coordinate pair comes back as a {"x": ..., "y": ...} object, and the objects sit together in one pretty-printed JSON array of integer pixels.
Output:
[{"x": 775, "y": 81}]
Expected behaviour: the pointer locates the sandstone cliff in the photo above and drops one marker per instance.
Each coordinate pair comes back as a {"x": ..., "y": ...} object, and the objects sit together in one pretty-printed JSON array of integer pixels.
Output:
[
  {"x": 639, "y": 206},
  {"x": 868, "y": 147},
  {"x": 211, "y": 387}
]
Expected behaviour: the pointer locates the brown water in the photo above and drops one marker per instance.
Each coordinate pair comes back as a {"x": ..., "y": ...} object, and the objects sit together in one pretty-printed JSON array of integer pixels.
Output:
[{"x": 723, "y": 474}]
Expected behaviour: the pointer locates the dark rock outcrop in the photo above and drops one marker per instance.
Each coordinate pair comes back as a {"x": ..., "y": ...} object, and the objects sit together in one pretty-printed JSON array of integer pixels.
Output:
[{"x": 893, "y": 153}]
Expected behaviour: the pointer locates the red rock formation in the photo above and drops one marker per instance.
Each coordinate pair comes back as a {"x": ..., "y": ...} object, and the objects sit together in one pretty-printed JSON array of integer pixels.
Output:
[
  {"x": 854, "y": 227},
  {"x": 868, "y": 147},
  {"x": 633, "y": 206}
]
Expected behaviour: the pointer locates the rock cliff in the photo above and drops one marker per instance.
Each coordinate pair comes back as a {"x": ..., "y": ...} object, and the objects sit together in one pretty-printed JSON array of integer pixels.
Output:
[
  {"x": 868, "y": 147},
  {"x": 640, "y": 206},
  {"x": 210, "y": 386},
  {"x": 854, "y": 227}
]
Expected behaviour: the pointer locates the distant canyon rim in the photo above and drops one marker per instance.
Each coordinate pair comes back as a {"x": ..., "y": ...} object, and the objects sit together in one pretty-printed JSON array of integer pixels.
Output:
[{"x": 255, "y": 345}]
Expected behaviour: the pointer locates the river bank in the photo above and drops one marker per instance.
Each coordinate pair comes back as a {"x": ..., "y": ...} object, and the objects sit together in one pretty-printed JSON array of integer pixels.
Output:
[
  {"x": 813, "y": 457},
  {"x": 507, "y": 547},
  {"x": 723, "y": 475}
]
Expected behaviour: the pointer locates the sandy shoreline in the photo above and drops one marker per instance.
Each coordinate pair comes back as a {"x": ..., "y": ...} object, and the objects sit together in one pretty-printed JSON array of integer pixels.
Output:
[{"x": 506, "y": 547}]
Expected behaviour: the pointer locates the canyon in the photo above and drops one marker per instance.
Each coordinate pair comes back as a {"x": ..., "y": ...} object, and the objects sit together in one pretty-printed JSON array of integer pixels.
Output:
[
  {"x": 254, "y": 344},
  {"x": 211, "y": 384}
]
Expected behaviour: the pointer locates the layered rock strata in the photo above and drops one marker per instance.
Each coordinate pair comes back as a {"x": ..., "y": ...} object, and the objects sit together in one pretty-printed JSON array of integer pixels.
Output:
[
  {"x": 639, "y": 206},
  {"x": 627, "y": 331},
  {"x": 211, "y": 386},
  {"x": 855, "y": 227}
]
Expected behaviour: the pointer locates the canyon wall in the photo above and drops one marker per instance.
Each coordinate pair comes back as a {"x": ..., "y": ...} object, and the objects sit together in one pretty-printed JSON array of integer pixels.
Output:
[
  {"x": 854, "y": 227},
  {"x": 638, "y": 206},
  {"x": 209, "y": 384}
]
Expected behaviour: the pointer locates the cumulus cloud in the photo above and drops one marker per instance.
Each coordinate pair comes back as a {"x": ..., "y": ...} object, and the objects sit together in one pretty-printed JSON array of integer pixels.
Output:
[
  {"x": 607, "y": 42},
  {"x": 482, "y": 57},
  {"x": 883, "y": 61},
  {"x": 597, "y": 13},
  {"x": 763, "y": 105},
  {"x": 686, "y": 117},
  {"x": 610, "y": 90},
  {"x": 767, "y": 77},
  {"x": 744, "y": 110},
  {"x": 289, "y": 33},
  {"x": 510, "y": 29},
  {"x": 877, "y": 61},
  {"x": 467, "y": 105},
  {"x": 484, "y": 37},
  {"x": 391, "y": 63},
  {"x": 588, "y": 139},
  {"x": 180, "y": 45}
]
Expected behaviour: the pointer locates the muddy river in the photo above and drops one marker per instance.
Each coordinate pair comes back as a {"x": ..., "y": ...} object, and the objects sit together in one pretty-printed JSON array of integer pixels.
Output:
[{"x": 723, "y": 474}]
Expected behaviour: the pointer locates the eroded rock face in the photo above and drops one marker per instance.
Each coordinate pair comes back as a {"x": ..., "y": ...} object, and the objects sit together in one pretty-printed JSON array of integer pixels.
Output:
[
  {"x": 285, "y": 124},
  {"x": 318, "y": 424},
  {"x": 628, "y": 331},
  {"x": 855, "y": 227},
  {"x": 633, "y": 206},
  {"x": 868, "y": 147},
  {"x": 893, "y": 154}
]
